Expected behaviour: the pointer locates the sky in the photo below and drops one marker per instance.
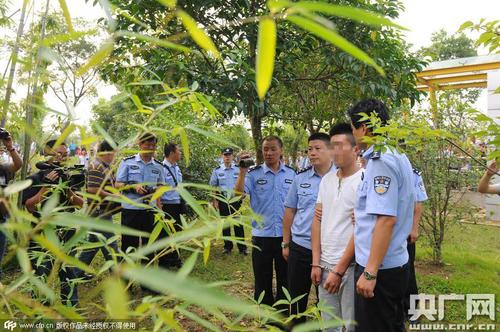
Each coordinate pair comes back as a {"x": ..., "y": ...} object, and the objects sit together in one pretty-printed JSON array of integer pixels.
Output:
[{"x": 421, "y": 17}]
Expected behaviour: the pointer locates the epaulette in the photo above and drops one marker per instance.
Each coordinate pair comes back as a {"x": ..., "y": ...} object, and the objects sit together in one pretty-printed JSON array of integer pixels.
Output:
[
  {"x": 128, "y": 158},
  {"x": 218, "y": 167},
  {"x": 253, "y": 168},
  {"x": 417, "y": 171},
  {"x": 376, "y": 155},
  {"x": 304, "y": 169},
  {"x": 291, "y": 168},
  {"x": 159, "y": 162}
]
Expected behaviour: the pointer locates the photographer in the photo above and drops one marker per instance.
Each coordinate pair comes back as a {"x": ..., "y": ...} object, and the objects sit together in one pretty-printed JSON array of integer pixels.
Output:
[
  {"x": 34, "y": 198},
  {"x": 99, "y": 177},
  {"x": 7, "y": 171},
  {"x": 141, "y": 173}
]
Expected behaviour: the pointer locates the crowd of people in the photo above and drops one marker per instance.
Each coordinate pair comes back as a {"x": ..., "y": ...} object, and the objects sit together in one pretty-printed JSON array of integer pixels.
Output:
[{"x": 346, "y": 223}]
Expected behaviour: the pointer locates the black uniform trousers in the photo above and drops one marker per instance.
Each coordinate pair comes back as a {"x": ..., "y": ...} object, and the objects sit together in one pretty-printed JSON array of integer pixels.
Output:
[
  {"x": 173, "y": 211},
  {"x": 226, "y": 209},
  {"x": 141, "y": 220},
  {"x": 265, "y": 254},
  {"x": 412, "y": 280},
  {"x": 299, "y": 277},
  {"x": 384, "y": 311}
]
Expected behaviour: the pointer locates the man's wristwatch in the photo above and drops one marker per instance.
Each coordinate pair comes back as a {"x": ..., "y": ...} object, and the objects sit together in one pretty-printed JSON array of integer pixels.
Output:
[
  {"x": 369, "y": 276},
  {"x": 285, "y": 245}
]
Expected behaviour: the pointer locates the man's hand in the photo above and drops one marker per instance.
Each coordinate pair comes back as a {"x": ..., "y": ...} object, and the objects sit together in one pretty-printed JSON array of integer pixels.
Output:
[
  {"x": 414, "y": 235},
  {"x": 316, "y": 275},
  {"x": 52, "y": 176},
  {"x": 285, "y": 252},
  {"x": 332, "y": 283},
  {"x": 492, "y": 168},
  {"x": 318, "y": 212},
  {"x": 365, "y": 287},
  {"x": 140, "y": 190}
]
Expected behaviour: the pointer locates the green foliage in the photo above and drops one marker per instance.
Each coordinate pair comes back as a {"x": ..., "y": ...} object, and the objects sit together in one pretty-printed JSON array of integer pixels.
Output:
[
  {"x": 490, "y": 34},
  {"x": 447, "y": 47}
]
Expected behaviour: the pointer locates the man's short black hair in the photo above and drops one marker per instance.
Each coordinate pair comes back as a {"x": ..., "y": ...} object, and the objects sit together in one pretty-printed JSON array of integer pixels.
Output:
[
  {"x": 169, "y": 148},
  {"x": 50, "y": 144},
  {"x": 343, "y": 128},
  {"x": 368, "y": 107},
  {"x": 147, "y": 137},
  {"x": 320, "y": 137},
  {"x": 105, "y": 147},
  {"x": 273, "y": 138}
]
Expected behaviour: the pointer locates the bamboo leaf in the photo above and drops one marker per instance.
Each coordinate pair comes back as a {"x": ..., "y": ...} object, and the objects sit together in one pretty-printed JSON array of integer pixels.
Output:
[
  {"x": 153, "y": 40},
  {"x": 266, "y": 50},
  {"x": 352, "y": 13},
  {"x": 69, "y": 129},
  {"x": 98, "y": 58},
  {"x": 106, "y": 136},
  {"x": 206, "y": 250},
  {"x": 191, "y": 290},
  {"x": 17, "y": 187},
  {"x": 181, "y": 132},
  {"x": 67, "y": 16},
  {"x": 199, "y": 36},
  {"x": 334, "y": 38},
  {"x": 66, "y": 37},
  {"x": 116, "y": 298},
  {"x": 168, "y": 3}
]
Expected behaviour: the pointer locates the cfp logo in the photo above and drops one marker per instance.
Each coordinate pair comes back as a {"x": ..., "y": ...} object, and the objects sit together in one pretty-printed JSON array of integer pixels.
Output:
[
  {"x": 9, "y": 325},
  {"x": 477, "y": 305}
]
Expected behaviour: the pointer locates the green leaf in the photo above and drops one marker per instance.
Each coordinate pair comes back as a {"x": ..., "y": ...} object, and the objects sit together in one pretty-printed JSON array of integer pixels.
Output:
[
  {"x": 67, "y": 16},
  {"x": 317, "y": 325},
  {"x": 66, "y": 37},
  {"x": 203, "y": 322},
  {"x": 352, "y": 13},
  {"x": 98, "y": 58},
  {"x": 23, "y": 259},
  {"x": 168, "y": 3},
  {"x": 198, "y": 35},
  {"x": 69, "y": 129},
  {"x": 156, "y": 231},
  {"x": 206, "y": 250},
  {"x": 181, "y": 132},
  {"x": 266, "y": 51},
  {"x": 334, "y": 38},
  {"x": 73, "y": 220},
  {"x": 116, "y": 298},
  {"x": 191, "y": 290},
  {"x": 188, "y": 265},
  {"x": 153, "y": 40},
  {"x": 106, "y": 136},
  {"x": 17, "y": 187},
  {"x": 465, "y": 25}
]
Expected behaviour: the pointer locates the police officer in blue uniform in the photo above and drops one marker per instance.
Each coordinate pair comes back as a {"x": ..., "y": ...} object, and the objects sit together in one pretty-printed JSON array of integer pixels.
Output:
[
  {"x": 384, "y": 218},
  {"x": 267, "y": 185},
  {"x": 297, "y": 220},
  {"x": 172, "y": 203},
  {"x": 224, "y": 176},
  {"x": 141, "y": 174},
  {"x": 420, "y": 198}
]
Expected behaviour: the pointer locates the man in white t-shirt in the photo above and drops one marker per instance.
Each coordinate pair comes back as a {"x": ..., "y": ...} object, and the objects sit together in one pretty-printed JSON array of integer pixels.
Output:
[{"x": 332, "y": 234}]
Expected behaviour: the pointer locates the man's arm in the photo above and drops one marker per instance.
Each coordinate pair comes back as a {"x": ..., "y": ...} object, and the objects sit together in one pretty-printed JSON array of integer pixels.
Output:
[
  {"x": 17, "y": 162},
  {"x": 287, "y": 229},
  {"x": 239, "y": 187},
  {"x": 417, "y": 215},
  {"x": 316, "y": 247},
  {"x": 484, "y": 184}
]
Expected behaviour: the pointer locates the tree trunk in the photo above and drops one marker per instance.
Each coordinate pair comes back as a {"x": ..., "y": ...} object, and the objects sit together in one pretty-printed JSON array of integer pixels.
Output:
[
  {"x": 31, "y": 99},
  {"x": 256, "y": 126},
  {"x": 15, "y": 51}
]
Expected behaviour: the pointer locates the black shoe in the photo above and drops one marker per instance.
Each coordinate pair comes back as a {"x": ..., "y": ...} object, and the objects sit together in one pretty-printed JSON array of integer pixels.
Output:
[
  {"x": 226, "y": 251},
  {"x": 244, "y": 252}
]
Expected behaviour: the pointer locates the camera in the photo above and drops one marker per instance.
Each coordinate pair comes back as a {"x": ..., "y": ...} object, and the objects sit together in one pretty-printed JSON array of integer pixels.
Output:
[
  {"x": 4, "y": 134},
  {"x": 148, "y": 189},
  {"x": 74, "y": 175},
  {"x": 245, "y": 163}
]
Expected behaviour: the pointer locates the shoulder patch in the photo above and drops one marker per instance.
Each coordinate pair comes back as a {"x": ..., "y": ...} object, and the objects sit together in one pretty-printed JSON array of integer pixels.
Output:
[
  {"x": 128, "y": 158},
  {"x": 417, "y": 171},
  {"x": 304, "y": 169},
  {"x": 376, "y": 155},
  {"x": 254, "y": 168},
  {"x": 381, "y": 184}
]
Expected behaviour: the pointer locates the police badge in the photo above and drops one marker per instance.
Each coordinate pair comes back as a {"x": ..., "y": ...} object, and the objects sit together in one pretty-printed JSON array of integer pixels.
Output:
[{"x": 381, "y": 184}]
